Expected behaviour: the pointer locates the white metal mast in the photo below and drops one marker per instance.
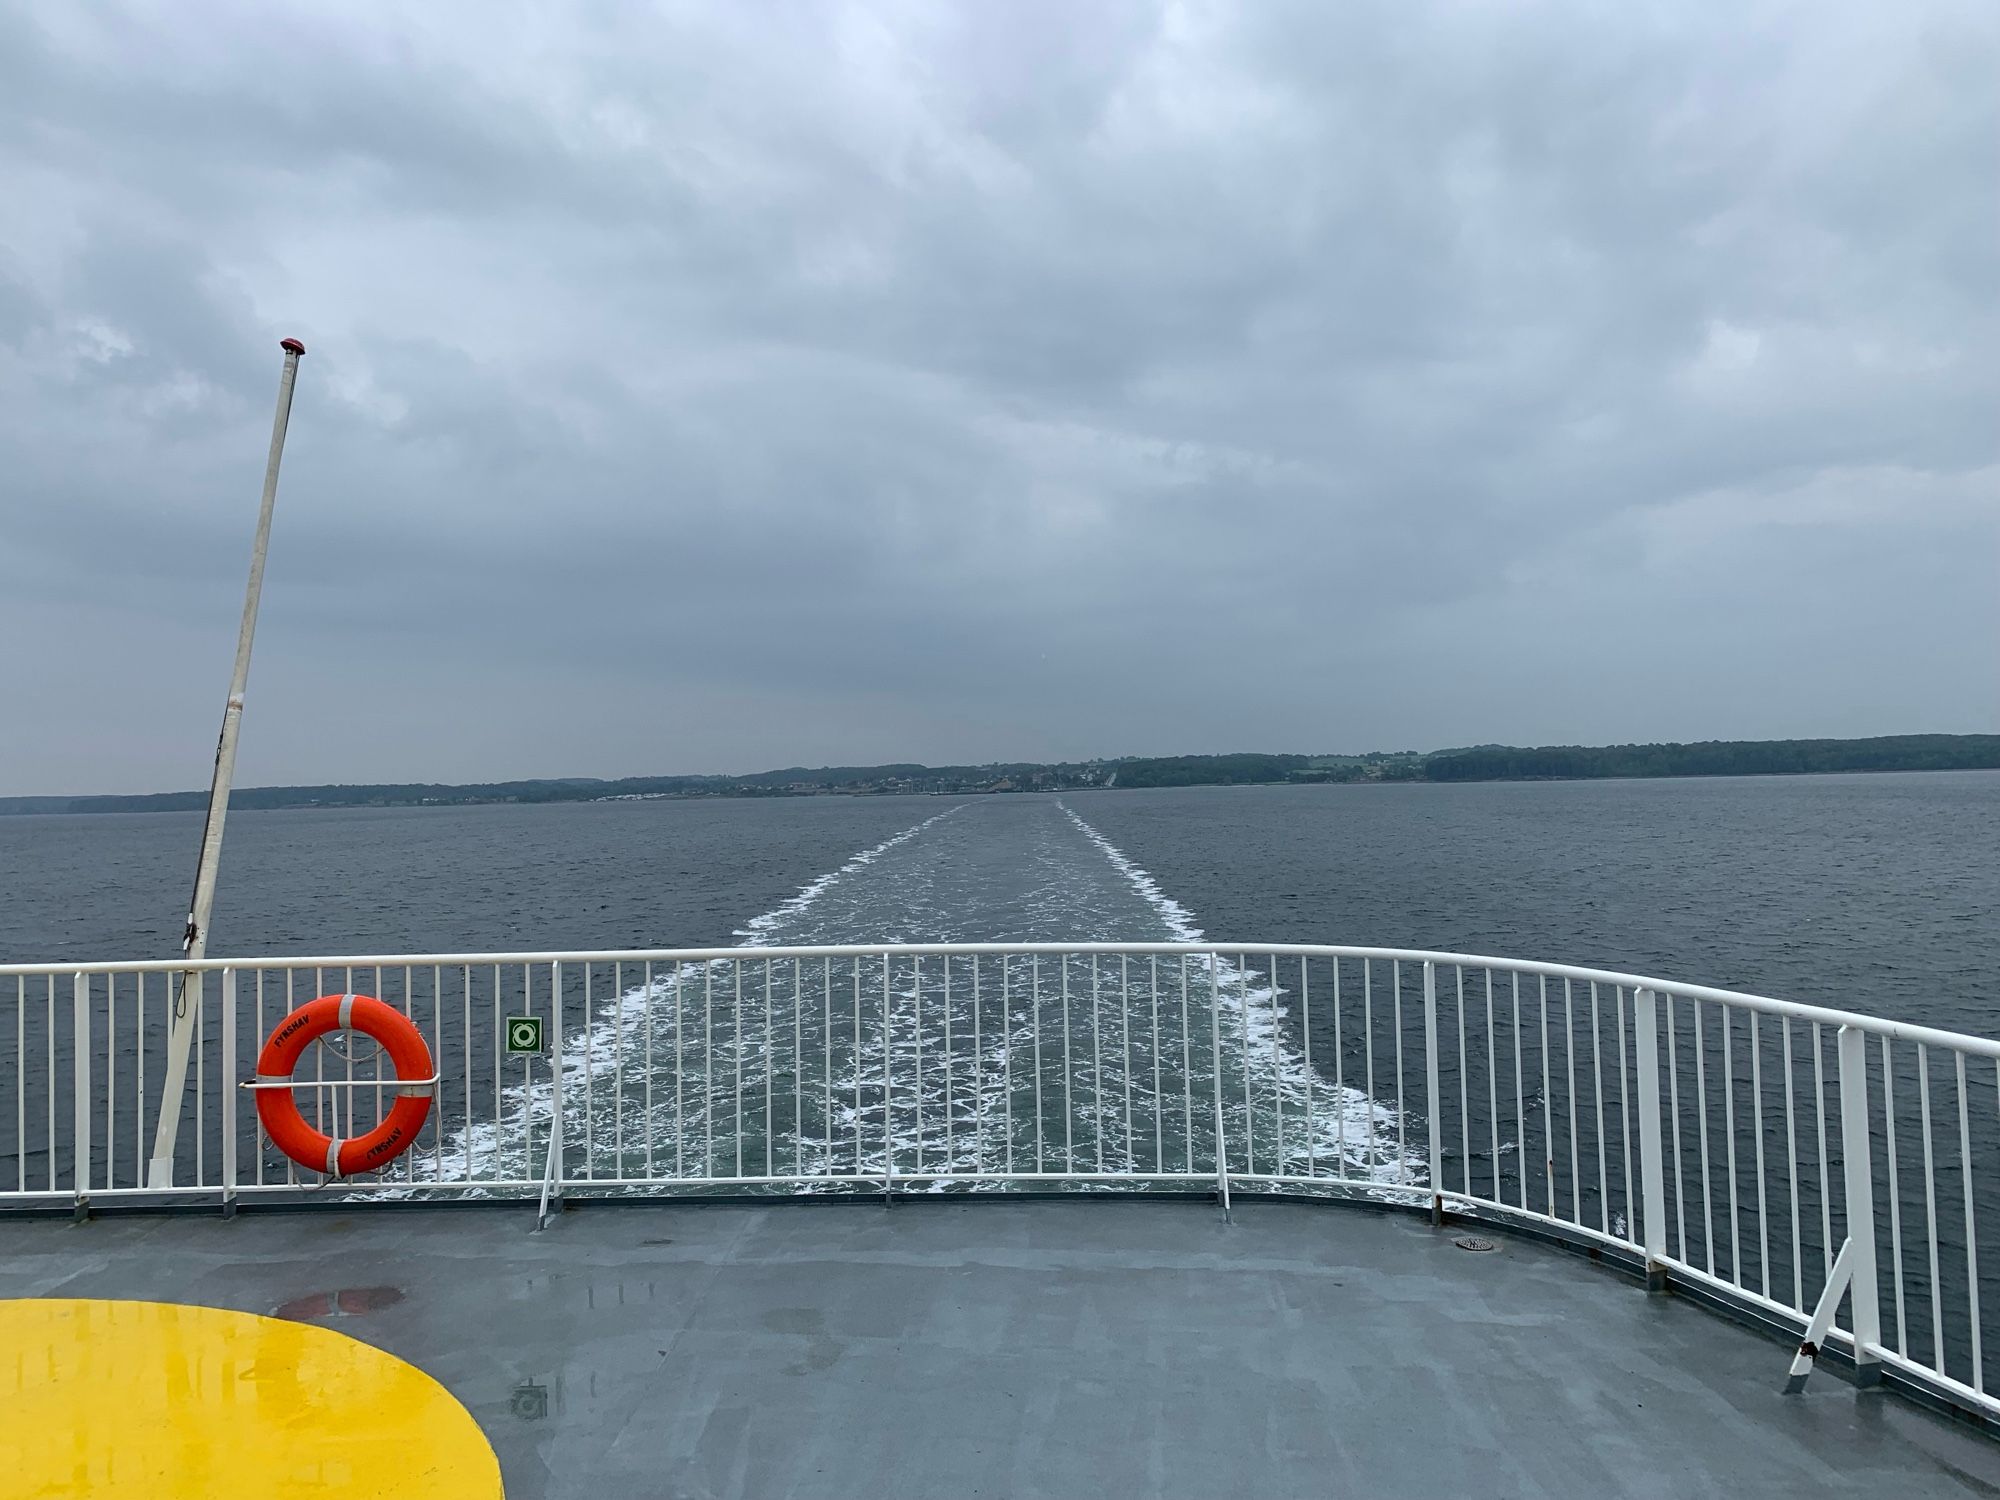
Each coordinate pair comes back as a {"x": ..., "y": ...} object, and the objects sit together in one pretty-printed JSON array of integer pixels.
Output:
[{"x": 194, "y": 942}]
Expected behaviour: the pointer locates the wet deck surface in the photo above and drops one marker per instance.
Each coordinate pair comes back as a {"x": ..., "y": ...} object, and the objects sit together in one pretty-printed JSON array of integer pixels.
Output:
[{"x": 1102, "y": 1349}]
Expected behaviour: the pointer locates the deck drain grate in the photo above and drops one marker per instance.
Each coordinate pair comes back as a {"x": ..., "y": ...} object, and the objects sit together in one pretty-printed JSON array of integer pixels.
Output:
[{"x": 1474, "y": 1242}]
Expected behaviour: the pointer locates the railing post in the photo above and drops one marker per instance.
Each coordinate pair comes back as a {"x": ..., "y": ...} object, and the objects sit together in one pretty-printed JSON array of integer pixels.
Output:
[
  {"x": 80, "y": 1119},
  {"x": 1436, "y": 1113},
  {"x": 1215, "y": 1051},
  {"x": 229, "y": 1092},
  {"x": 1652, "y": 1173},
  {"x": 1860, "y": 1184},
  {"x": 889, "y": 1089},
  {"x": 559, "y": 1164}
]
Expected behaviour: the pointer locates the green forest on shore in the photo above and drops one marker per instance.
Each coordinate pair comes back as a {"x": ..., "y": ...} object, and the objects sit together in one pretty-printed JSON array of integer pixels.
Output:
[{"x": 1906, "y": 752}]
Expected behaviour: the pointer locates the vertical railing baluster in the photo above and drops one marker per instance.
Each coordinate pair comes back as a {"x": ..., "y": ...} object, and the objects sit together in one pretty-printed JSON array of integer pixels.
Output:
[
  {"x": 826, "y": 1052},
  {"x": 888, "y": 1084},
  {"x": 1096, "y": 1063},
  {"x": 1007, "y": 1057},
  {"x": 1729, "y": 1122},
  {"x": 1895, "y": 1195},
  {"x": 110, "y": 1178},
  {"x": 1971, "y": 1228},
  {"x": 439, "y": 1067},
  {"x": 1701, "y": 1110},
  {"x": 345, "y": 1096},
  {"x": 1520, "y": 1096},
  {"x": 1930, "y": 1207},
  {"x": 1791, "y": 1153},
  {"x": 1125, "y": 1054},
  {"x": 1339, "y": 1081},
  {"x": 558, "y": 1128},
  {"x": 917, "y": 1036},
  {"x": 1277, "y": 1068},
  {"x": 201, "y": 1088},
  {"x": 1243, "y": 1023},
  {"x": 1825, "y": 1181},
  {"x": 1433, "y": 1103},
  {"x": 708, "y": 1104},
  {"x": 1402, "y": 1112},
  {"x": 1187, "y": 1073},
  {"x": 1674, "y": 1115},
  {"x": 1548, "y": 1102},
  {"x": 228, "y": 1090},
  {"x": 769, "y": 1055},
  {"x": 647, "y": 1059},
  {"x": 1215, "y": 1054},
  {"x": 1368, "y": 1035},
  {"x": 1068, "y": 1076},
  {"x": 1492, "y": 1091},
  {"x": 499, "y": 1120},
  {"x": 1597, "y": 1108},
  {"x": 799, "y": 1068},
  {"x": 1464, "y": 1105},
  {"x": 1159, "y": 1103},
  {"x": 618, "y": 1028},
  {"x": 736, "y": 1044},
  {"x": 1035, "y": 1013},
  {"x": 589, "y": 1074},
  {"x": 80, "y": 1111},
  {"x": 860, "y": 1149},
  {"x": 139, "y": 1100},
  {"x": 1312, "y": 1079},
  {"x": 1569, "y": 1060},
  {"x": 21, "y": 1081},
  {"x": 1763, "y": 1207},
  {"x": 944, "y": 963},
  {"x": 53, "y": 1140},
  {"x": 1624, "y": 1112}
]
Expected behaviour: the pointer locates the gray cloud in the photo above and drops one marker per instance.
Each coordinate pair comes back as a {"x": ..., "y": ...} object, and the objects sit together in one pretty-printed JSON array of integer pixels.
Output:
[{"x": 714, "y": 387}]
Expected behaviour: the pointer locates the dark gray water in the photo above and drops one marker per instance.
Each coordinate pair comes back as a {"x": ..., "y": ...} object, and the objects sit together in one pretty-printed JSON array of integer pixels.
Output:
[
  {"x": 1878, "y": 893},
  {"x": 1875, "y": 893}
]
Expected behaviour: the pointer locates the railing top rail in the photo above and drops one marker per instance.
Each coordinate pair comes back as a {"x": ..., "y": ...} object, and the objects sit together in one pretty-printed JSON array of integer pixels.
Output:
[{"x": 1824, "y": 1015}]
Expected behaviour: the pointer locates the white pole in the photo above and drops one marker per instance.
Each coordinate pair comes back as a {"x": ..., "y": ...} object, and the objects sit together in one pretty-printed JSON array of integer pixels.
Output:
[{"x": 194, "y": 942}]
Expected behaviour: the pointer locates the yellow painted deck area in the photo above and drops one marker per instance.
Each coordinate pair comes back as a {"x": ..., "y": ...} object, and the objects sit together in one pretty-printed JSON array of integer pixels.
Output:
[{"x": 158, "y": 1400}]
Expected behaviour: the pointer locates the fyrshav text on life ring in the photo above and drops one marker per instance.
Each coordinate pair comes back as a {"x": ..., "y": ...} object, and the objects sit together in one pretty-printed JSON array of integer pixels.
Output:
[{"x": 279, "y": 1110}]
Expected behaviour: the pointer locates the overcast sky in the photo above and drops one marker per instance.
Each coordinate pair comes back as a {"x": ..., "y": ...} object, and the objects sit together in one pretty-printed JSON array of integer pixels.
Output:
[{"x": 716, "y": 387}]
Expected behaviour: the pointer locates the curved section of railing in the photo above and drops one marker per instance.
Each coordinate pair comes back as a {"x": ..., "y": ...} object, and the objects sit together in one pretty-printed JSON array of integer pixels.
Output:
[{"x": 1788, "y": 1159}]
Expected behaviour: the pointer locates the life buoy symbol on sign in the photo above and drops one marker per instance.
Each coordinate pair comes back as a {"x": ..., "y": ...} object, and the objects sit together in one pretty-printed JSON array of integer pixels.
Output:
[{"x": 414, "y": 1084}]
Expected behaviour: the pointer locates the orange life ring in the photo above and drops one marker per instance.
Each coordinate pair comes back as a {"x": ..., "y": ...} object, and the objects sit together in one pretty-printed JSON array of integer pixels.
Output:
[{"x": 279, "y": 1111}]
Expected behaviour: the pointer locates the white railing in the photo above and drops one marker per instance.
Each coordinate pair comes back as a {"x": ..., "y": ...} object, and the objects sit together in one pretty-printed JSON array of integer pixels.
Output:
[{"x": 1758, "y": 1150}]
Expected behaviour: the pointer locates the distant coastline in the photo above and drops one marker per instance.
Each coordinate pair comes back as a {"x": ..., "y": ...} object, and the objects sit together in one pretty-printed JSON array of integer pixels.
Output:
[{"x": 1905, "y": 752}]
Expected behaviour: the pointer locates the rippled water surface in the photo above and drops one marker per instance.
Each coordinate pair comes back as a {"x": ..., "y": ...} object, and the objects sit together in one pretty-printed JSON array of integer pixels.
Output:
[
  {"x": 1872, "y": 893},
  {"x": 1880, "y": 893}
]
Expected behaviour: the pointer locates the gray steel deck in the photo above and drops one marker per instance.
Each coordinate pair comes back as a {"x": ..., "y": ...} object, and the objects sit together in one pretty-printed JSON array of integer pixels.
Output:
[{"x": 1088, "y": 1349}]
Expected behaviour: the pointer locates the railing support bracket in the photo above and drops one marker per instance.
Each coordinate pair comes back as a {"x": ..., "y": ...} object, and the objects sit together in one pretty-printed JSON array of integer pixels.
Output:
[{"x": 1822, "y": 1319}]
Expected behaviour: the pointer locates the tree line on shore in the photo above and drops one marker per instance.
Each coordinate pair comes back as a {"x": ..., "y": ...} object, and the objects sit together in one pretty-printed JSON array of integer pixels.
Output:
[{"x": 1905, "y": 752}]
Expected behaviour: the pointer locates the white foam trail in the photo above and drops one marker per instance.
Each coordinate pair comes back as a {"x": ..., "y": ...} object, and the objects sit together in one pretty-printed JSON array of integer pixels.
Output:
[
  {"x": 756, "y": 932},
  {"x": 1258, "y": 1016},
  {"x": 601, "y": 1044},
  {"x": 1179, "y": 920},
  {"x": 628, "y": 1036}
]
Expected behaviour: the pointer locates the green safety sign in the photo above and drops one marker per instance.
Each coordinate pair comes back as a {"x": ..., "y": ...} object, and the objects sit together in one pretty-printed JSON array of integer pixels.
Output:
[{"x": 524, "y": 1033}]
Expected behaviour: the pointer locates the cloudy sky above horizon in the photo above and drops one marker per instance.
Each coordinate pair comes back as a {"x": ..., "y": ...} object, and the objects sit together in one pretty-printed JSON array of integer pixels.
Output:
[{"x": 714, "y": 387}]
